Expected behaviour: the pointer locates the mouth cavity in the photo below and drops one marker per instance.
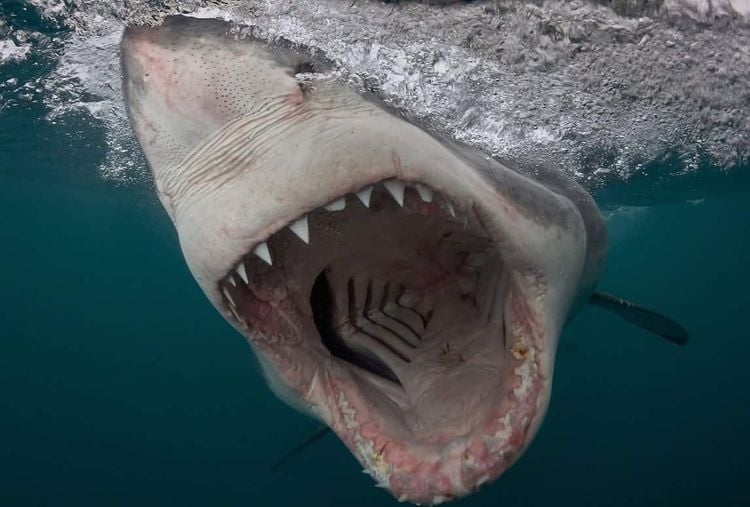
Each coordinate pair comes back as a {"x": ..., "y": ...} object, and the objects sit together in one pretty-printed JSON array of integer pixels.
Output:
[{"x": 391, "y": 312}]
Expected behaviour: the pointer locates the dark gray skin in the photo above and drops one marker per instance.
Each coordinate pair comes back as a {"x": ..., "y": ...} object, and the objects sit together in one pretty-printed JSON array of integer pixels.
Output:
[{"x": 596, "y": 232}]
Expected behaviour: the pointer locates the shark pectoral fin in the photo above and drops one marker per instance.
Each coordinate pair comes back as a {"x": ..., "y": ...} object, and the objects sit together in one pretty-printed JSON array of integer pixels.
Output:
[
  {"x": 642, "y": 317},
  {"x": 319, "y": 433}
]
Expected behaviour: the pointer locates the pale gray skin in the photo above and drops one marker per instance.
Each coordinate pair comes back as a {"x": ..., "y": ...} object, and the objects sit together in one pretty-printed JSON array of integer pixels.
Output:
[{"x": 240, "y": 148}]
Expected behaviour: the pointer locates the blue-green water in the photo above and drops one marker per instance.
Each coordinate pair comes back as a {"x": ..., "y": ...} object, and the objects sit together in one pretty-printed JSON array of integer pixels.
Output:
[{"x": 120, "y": 385}]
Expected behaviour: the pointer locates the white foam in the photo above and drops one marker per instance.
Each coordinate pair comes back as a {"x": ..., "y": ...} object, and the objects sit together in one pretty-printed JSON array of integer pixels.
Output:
[
  {"x": 441, "y": 72},
  {"x": 10, "y": 52},
  {"x": 89, "y": 71}
]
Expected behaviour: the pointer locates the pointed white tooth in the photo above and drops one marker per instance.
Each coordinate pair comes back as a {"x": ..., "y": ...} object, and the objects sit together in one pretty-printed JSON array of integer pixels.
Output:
[
  {"x": 231, "y": 280},
  {"x": 396, "y": 188},
  {"x": 241, "y": 271},
  {"x": 364, "y": 196},
  {"x": 228, "y": 296},
  {"x": 336, "y": 205},
  {"x": 237, "y": 315},
  {"x": 301, "y": 229},
  {"x": 264, "y": 253},
  {"x": 451, "y": 210},
  {"x": 424, "y": 192}
]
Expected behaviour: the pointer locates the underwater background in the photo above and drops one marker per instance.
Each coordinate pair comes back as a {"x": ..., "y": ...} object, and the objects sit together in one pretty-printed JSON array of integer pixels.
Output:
[{"x": 121, "y": 385}]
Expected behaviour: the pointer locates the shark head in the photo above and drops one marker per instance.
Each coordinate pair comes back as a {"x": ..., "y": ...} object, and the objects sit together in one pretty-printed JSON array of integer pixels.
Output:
[{"x": 404, "y": 289}]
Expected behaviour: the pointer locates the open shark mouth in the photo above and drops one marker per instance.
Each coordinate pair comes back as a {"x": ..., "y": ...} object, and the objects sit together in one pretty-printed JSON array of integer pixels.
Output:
[
  {"x": 392, "y": 315},
  {"x": 405, "y": 289}
]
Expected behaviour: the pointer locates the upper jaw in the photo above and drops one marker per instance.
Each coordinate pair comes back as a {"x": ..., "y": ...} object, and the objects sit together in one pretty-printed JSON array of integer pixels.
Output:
[
  {"x": 271, "y": 195},
  {"x": 260, "y": 197},
  {"x": 250, "y": 171}
]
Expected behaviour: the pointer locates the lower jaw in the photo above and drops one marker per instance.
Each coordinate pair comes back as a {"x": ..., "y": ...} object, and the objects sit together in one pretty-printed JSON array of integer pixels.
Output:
[
  {"x": 430, "y": 473},
  {"x": 422, "y": 470},
  {"x": 414, "y": 470}
]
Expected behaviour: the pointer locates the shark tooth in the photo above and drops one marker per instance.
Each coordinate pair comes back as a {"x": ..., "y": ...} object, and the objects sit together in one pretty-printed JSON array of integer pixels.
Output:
[
  {"x": 229, "y": 297},
  {"x": 450, "y": 209},
  {"x": 241, "y": 271},
  {"x": 301, "y": 229},
  {"x": 264, "y": 253},
  {"x": 425, "y": 192},
  {"x": 336, "y": 205},
  {"x": 237, "y": 315},
  {"x": 364, "y": 196},
  {"x": 396, "y": 189}
]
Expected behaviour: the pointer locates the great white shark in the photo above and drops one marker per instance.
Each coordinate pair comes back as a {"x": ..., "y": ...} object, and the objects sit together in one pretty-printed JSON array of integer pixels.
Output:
[{"x": 404, "y": 289}]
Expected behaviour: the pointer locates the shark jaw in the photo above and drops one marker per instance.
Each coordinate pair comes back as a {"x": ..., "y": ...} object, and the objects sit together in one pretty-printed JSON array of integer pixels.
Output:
[
  {"x": 391, "y": 314},
  {"x": 404, "y": 289}
]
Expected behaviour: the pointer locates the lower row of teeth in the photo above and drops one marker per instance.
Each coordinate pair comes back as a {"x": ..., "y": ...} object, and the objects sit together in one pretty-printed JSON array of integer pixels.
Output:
[{"x": 300, "y": 227}]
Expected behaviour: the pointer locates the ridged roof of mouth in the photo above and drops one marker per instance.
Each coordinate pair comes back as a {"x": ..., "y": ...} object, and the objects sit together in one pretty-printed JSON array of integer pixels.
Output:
[{"x": 392, "y": 315}]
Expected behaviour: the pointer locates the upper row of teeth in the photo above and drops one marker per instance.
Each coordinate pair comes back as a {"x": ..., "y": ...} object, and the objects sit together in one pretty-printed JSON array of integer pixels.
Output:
[{"x": 301, "y": 229}]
